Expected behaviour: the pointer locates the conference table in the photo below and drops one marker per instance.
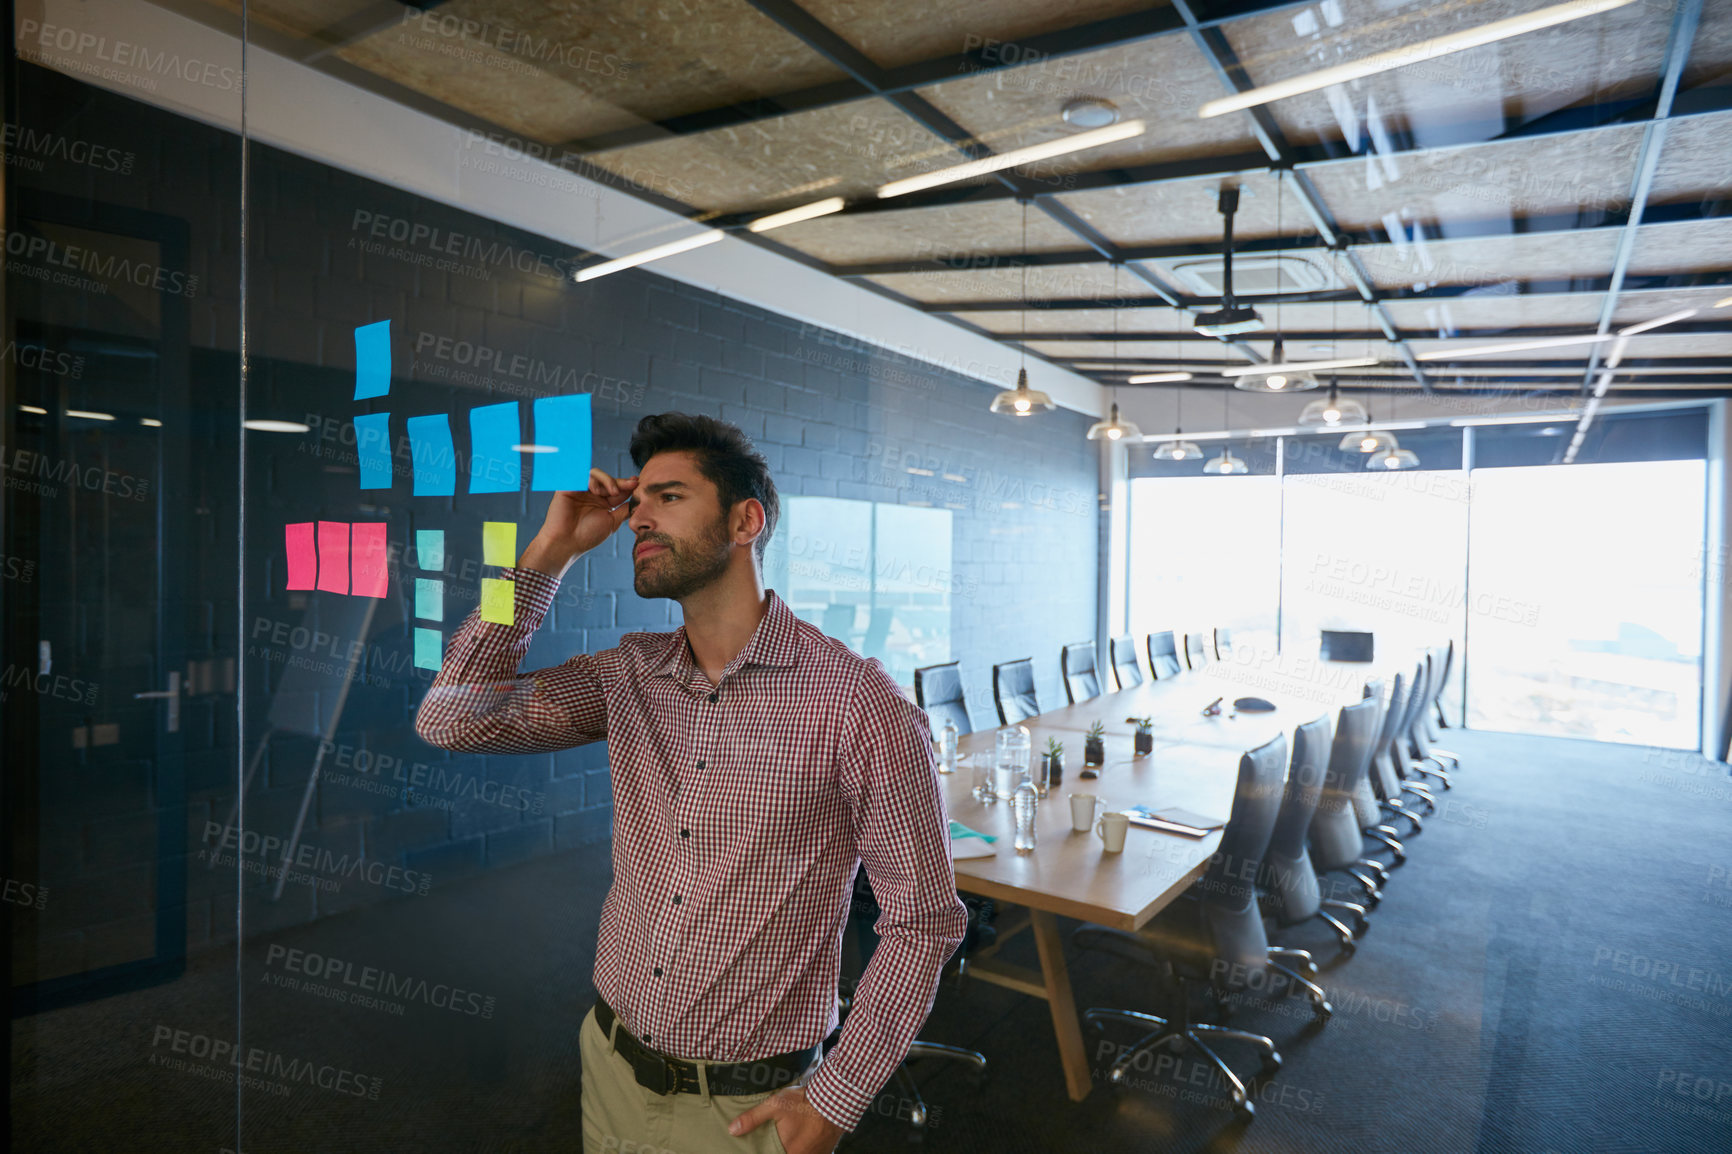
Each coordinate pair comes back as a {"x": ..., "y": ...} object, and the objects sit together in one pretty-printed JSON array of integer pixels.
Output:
[{"x": 1194, "y": 764}]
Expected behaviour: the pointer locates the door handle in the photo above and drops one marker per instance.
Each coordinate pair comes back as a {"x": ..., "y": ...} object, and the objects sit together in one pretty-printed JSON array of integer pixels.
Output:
[{"x": 172, "y": 694}]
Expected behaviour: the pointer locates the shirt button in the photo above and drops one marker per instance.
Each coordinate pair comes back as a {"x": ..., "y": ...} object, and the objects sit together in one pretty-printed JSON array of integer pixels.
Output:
[
  {"x": 676, "y": 899},
  {"x": 657, "y": 971},
  {"x": 648, "y": 1038},
  {"x": 700, "y": 763},
  {"x": 712, "y": 699},
  {"x": 685, "y": 833}
]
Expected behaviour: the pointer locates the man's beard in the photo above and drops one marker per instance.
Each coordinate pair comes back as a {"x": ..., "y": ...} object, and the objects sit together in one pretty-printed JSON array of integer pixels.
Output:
[{"x": 682, "y": 568}]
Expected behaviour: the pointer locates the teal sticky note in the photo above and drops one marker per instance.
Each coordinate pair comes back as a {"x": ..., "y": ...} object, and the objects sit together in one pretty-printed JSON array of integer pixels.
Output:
[
  {"x": 430, "y": 548},
  {"x": 429, "y": 648},
  {"x": 429, "y": 599}
]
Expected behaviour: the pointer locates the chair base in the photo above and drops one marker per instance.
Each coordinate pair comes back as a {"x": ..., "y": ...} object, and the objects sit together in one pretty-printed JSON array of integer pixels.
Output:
[
  {"x": 917, "y": 1113},
  {"x": 1182, "y": 1035}
]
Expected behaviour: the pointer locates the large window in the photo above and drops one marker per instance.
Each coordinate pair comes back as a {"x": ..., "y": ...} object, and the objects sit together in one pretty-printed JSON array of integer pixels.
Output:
[
  {"x": 1203, "y": 554},
  {"x": 1590, "y": 579},
  {"x": 877, "y": 576},
  {"x": 1572, "y": 592}
]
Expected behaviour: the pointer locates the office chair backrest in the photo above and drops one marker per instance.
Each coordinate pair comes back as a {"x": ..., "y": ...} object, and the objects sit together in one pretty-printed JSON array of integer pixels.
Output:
[
  {"x": 1336, "y": 838},
  {"x": 1365, "y": 806},
  {"x": 1343, "y": 645},
  {"x": 1077, "y": 664},
  {"x": 1383, "y": 764},
  {"x": 1417, "y": 696},
  {"x": 938, "y": 690},
  {"x": 1228, "y": 892},
  {"x": 1223, "y": 643},
  {"x": 1127, "y": 670},
  {"x": 1164, "y": 656},
  {"x": 1286, "y": 877},
  {"x": 1196, "y": 650},
  {"x": 1013, "y": 690}
]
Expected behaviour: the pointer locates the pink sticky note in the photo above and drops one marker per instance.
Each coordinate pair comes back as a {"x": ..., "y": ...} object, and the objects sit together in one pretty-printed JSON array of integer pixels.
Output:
[
  {"x": 334, "y": 556},
  {"x": 367, "y": 546},
  {"x": 303, "y": 561}
]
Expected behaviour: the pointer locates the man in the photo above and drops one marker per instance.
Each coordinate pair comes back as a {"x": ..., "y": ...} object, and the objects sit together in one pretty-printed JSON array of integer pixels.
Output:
[{"x": 755, "y": 764}]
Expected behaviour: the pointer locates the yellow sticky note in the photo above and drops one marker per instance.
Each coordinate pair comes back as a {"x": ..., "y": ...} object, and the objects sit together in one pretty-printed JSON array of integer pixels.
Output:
[
  {"x": 496, "y": 602},
  {"x": 499, "y": 543}
]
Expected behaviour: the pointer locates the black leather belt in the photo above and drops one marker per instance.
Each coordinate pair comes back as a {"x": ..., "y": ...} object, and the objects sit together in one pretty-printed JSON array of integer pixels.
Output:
[{"x": 662, "y": 1074}]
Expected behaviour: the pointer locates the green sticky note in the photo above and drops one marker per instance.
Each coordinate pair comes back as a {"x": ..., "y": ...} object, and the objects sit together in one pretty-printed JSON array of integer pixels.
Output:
[
  {"x": 499, "y": 543},
  {"x": 429, "y": 599},
  {"x": 430, "y": 548},
  {"x": 428, "y": 648},
  {"x": 496, "y": 600}
]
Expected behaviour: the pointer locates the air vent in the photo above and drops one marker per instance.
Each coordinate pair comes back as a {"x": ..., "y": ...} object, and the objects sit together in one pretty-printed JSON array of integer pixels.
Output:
[{"x": 1255, "y": 275}]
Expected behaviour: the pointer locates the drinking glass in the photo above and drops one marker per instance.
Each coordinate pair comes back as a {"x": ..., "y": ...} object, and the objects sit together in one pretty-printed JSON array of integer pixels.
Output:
[{"x": 1010, "y": 763}]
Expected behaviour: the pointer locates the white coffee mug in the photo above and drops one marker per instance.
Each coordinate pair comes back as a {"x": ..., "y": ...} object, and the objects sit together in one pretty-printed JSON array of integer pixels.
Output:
[
  {"x": 1111, "y": 829},
  {"x": 1082, "y": 811}
]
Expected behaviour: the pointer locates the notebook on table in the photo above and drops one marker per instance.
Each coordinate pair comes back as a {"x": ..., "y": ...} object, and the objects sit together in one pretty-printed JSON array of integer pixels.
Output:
[{"x": 1172, "y": 819}]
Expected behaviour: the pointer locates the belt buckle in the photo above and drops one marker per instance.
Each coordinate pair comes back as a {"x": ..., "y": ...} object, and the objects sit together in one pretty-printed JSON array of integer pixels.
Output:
[{"x": 665, "y": 1078}]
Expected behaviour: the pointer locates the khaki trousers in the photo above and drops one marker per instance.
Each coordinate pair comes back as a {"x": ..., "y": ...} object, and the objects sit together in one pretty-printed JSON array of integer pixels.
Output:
[{"x": 621, "y": 1117}]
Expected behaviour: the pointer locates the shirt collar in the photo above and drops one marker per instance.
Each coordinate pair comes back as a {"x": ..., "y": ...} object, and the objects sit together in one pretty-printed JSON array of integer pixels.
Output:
[{"x": 775, "y": 643}]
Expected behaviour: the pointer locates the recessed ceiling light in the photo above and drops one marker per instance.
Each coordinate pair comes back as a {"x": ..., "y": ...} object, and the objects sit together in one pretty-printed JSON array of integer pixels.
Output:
[{"x": 1091, "y": 112}]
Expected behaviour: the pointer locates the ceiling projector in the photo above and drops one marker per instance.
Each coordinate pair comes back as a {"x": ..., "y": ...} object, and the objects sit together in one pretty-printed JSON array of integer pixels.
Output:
[{"x": 1225, "y": 322}]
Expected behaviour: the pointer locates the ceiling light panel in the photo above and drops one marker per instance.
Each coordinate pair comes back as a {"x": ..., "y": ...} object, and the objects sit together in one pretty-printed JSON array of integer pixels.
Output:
[
  {"x": 1610, "y": 54},
  {"x": 951, "y": 231},
  {"x": 614, "y": 63},
  {"x": 1150, "y": 79},
  {"x": 1697, "y": 246},
  {"x": 887, "y": 34},
  {"x": 843, "y": 150},
  {"x": 1083, "y": 283},
  {"x": 1099, "y": 320},
  {"x": 1491, "y": 260},
  {"x": 1486, "y": 184}
]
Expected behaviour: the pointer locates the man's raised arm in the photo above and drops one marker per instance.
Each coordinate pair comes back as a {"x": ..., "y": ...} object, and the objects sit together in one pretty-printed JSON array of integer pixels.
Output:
[{"x": 479, "y": 702}]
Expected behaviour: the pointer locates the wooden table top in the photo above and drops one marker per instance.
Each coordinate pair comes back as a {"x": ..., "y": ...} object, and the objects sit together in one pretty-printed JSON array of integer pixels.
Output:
[{"x": 1194, "y": 764}]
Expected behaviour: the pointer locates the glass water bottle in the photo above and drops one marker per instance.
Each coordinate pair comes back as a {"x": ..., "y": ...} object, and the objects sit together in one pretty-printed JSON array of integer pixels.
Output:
[
  {"x": 947, "y": 747},
  {"x": 1023, "y": 804}
]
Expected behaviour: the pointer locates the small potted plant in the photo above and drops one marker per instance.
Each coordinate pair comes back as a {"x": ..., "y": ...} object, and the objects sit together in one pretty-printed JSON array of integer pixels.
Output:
[
  {"x": 1052, "y": 763},
  {"x": 1145, "y": 737},
  {"x": 1094, "y": 749}
]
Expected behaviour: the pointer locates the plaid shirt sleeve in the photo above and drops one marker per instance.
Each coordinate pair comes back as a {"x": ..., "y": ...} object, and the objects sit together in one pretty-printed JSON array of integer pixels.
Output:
[
  {"x": 479, "y": 703},
  {"x": 904, "y": 842}
]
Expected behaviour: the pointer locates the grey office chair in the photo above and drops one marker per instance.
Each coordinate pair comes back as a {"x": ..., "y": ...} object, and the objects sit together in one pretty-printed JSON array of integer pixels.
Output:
[
  {"x": 1164, "y": 656},
  {"x": 863, "y": 916},
  {"x": 1410, "y": 738},
  {"x": 1367, "y": 808},
  {"x": 1013, "y": 690},
  {"x": 1336, "y": 837},
  {"x": 1442, "y": 661},
  {"x": 1223, "y": 643},
  {"x": 1196, "y": 650},
  {"x": 938, "y": 690},
  {"x": 1392, "y": 791},
  {"x": 1127, "y": 670},
  {"x": 1286, "y": 882},
  {"x": 1215, "y": 924},
  {"x": 1077, "y": 664}
]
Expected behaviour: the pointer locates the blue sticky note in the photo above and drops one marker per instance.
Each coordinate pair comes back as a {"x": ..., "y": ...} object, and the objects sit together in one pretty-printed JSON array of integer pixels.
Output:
[
  {"x": 430, "y": 548},
  {"x": 562, "y": 456},
  {"x": 373, "y": 449},
  {"x": 373, "y": 360},
  {"x": 494, "y": 466},
  {"x": 429, "y": 648},
  {"x": 429, "y": 599},
  {"x": 433, "y": 459}
]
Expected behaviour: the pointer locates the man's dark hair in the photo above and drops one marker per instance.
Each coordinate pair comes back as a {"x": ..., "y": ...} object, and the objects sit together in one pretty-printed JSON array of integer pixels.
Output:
[{"x": 725, "y": 456}]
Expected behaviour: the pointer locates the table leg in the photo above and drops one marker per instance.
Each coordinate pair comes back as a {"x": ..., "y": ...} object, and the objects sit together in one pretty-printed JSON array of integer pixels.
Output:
[{"x": 1065, "y": 1023}]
